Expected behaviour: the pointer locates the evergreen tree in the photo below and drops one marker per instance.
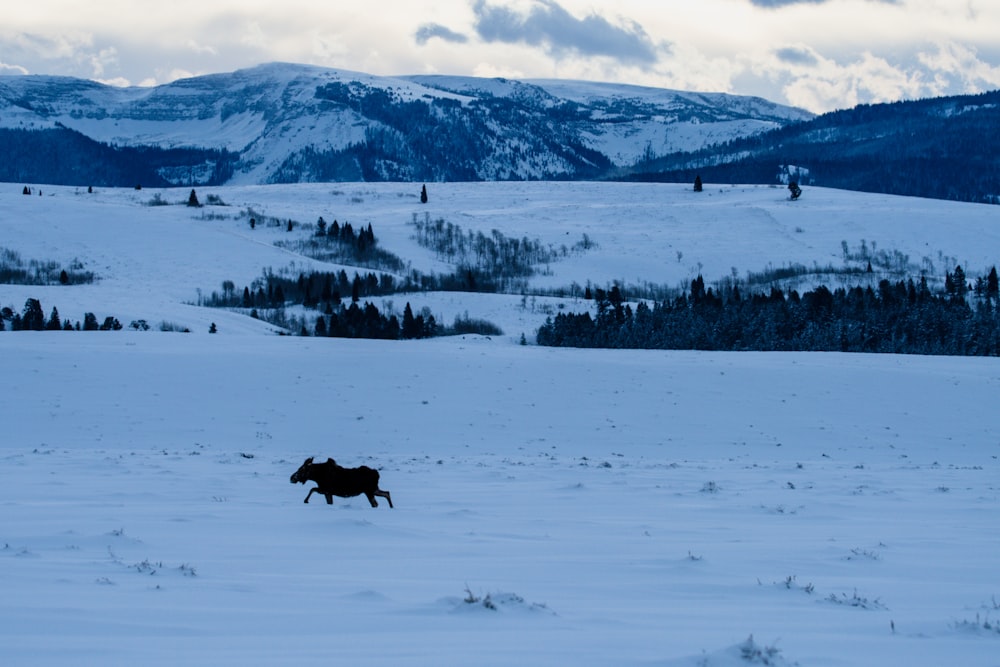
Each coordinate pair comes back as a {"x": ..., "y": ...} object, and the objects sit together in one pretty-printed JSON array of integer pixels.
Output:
[
  {"x": 193, "y": 199},
  {"x": 961, "y": 286},
  {"x": 423, "y": 194},
  {"x": 32, "y": 319},
  {"x": 356, "y": 289},
  {"x": 54, "y": 323},
  {"x": 992, "y": 285},
  {"x": 410, "y": 328},
  {"x": 697, "y": 183}
]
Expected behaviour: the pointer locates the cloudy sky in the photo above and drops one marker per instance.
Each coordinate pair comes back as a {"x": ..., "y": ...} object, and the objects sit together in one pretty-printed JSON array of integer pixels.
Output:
[{"x": 816, "y": 54}]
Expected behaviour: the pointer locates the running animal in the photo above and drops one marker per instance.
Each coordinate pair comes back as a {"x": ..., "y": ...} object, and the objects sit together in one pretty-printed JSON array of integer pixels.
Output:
[{"x": 334, "y": 480}]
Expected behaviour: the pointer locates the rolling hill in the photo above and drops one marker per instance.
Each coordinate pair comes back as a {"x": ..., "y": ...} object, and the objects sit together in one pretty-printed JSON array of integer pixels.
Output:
[{"x": 552, "y": 506}]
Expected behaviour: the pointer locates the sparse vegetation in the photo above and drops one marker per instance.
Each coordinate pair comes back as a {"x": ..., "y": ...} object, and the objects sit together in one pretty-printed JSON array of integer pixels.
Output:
[
  {"x": 493, "y": 263},
  {"x": 14, "y": 270},
  {"x": 499, "y": 601},
  {"x": 755, "y": 654},
  {"x": 855, "y": 600}
]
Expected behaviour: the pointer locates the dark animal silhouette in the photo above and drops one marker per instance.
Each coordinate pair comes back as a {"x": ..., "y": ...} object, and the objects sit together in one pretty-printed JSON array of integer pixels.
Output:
[{"x": 334, "y": 480}]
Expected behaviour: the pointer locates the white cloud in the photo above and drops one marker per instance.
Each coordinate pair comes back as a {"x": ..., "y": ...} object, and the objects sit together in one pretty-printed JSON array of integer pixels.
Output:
[
  {"x": 954, "y": 65},
  {"x": 819, "y": 83},
  {"x": 6, "y": 69},
  {"x": 253, "y": 35},
  {"x": 100, "y": 61},
  {"x": 830, "y": 85},
  {"x": 118, "y": 82},
  {"x": 195, "y": 47}
]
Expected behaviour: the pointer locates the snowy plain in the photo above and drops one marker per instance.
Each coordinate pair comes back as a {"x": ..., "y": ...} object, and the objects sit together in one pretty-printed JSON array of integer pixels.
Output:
[{"x": 552, "y": 506}]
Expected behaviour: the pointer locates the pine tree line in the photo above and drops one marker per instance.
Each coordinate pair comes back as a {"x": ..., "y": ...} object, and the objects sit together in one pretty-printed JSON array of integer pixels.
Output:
[
  {"x": 901, "y": 317},
  {"x": 32, "y": 318},
  {"x": 366, "y": 321}
]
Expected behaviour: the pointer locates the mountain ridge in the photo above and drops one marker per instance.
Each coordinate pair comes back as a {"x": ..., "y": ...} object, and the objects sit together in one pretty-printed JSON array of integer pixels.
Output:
[
  {"x": 286, "y": 122},
  {"x": 289, "y": 123}
]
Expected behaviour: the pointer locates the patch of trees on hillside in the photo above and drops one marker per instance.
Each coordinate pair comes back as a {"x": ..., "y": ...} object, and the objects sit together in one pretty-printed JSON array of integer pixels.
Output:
[
  {"x": 490, "y": 262},
  {"x": 942, "y": 148},
  {"x": 61, "y": 156},
  {"x": 14, "y": 270},
  {"x": 341, "y": 244},
  {"x": 904, "y": 317}
]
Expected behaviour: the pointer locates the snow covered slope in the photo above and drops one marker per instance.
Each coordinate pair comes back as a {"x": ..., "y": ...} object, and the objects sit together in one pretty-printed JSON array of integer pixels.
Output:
[
  {"x": 152, "y": 260},
  {"x": 552, "y": 506}
]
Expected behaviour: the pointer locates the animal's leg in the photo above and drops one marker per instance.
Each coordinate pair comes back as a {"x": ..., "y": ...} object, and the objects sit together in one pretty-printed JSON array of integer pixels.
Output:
[
  {"x": 329, "y": 498},
  {"x": 310, "y": 493},
  {"x": 371, "y": 498},
  {"x": 383, "y": 494}
]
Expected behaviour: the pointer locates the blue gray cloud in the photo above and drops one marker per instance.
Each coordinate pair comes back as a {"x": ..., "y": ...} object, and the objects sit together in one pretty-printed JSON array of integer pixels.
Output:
[
  {"x": 429, "y": 31},
  {"x": 796, "y": 55},
  {"x": 548, "y": 25}
]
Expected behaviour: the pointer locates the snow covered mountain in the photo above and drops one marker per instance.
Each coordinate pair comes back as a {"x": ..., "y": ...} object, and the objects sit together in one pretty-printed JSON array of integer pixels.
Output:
[{"x": 284, "y": 122}]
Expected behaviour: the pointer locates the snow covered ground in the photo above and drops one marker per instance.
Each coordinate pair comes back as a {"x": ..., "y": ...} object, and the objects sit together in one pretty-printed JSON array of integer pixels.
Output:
[{"x": 552, "y": 506}]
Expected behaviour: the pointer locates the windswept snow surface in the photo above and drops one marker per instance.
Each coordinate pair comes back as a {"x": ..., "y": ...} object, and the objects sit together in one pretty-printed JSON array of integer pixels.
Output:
[{"x": 598, "y": 507}]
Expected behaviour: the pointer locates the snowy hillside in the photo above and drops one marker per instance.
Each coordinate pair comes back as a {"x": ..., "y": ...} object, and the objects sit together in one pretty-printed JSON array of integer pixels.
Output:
[
  {"x": 643, "y": 234},
  {"x": 287, "y": 123},
  {"x": 552, "y": 506}
]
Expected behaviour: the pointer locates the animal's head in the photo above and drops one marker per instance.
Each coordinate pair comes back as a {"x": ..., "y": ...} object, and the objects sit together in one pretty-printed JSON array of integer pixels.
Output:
[{"x": 302, "y": 474}]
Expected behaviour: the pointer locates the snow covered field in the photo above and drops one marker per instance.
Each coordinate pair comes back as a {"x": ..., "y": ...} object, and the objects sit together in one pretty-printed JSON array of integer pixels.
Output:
[{"x": 597, "y": 507}]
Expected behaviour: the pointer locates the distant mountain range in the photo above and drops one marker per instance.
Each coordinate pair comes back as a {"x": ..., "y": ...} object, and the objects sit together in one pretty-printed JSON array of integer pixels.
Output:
[{"x": 284, "y": 123}]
